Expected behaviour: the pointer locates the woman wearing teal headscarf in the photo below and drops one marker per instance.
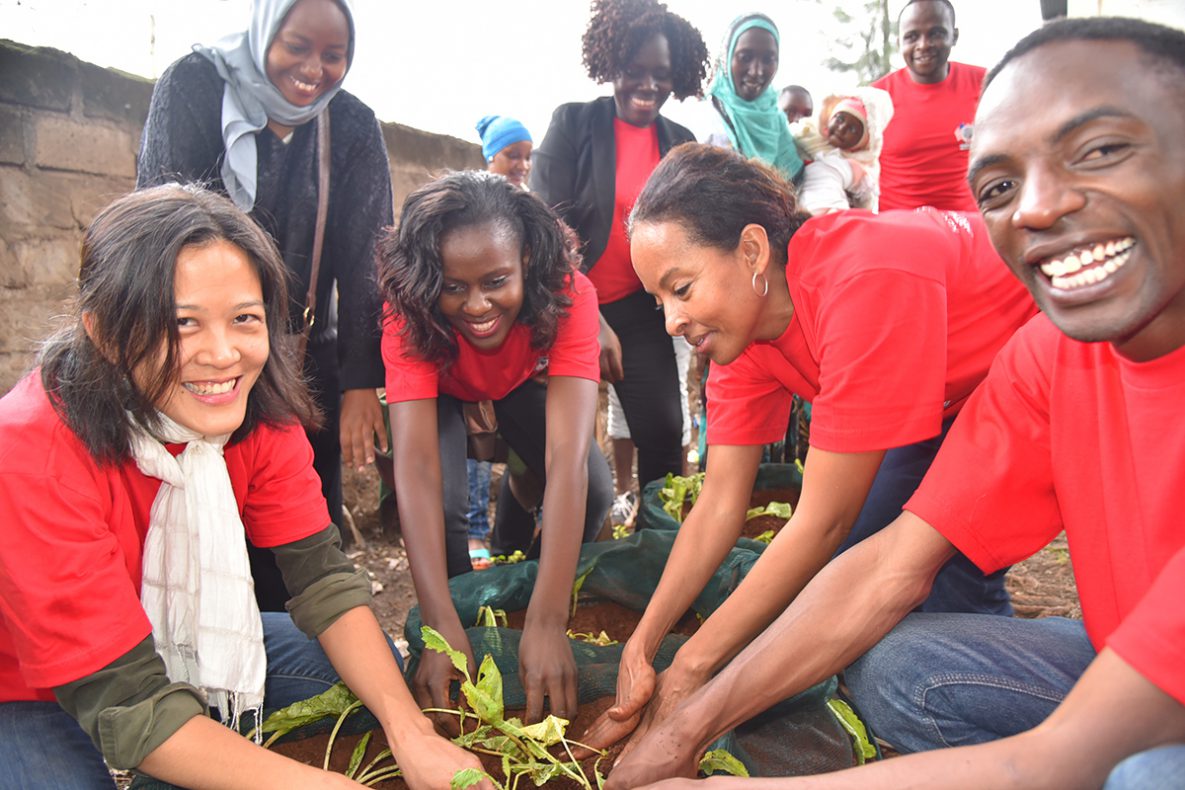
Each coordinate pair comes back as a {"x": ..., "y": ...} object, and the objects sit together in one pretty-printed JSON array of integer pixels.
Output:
[{"x": 746, "y": 104}]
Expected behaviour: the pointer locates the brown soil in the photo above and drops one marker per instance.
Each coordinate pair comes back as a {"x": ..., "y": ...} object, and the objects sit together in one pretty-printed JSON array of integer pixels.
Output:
[
  {"x": 311, "y": 751},
  {"x": 593, "y": 616}
]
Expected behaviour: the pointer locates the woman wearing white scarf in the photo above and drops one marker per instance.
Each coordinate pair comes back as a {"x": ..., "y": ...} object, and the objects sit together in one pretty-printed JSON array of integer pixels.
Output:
[{"x": 157, "y": 433}]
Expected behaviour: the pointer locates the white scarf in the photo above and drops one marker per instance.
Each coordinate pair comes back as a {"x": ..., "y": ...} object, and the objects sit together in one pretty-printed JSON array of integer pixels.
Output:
[{"x": 197, "y": 588}]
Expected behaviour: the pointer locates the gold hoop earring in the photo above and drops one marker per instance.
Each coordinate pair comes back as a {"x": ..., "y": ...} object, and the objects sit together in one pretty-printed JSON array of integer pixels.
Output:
[{"x": 764, "y": 284}]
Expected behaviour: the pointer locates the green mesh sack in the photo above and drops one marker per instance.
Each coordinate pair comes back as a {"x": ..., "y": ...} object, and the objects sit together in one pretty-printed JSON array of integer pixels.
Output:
[
  {"x": 795, "y": 737},
  {"x": 652, "y": 516}
]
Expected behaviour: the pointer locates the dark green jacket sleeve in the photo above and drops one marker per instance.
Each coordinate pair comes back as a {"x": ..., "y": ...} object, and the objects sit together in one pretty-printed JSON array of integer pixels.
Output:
[{"x": 323, "y": 581}]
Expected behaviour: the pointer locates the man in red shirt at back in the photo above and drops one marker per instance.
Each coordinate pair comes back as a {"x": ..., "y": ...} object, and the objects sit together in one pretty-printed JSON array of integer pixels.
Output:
[{"x": 924, "y": 159}]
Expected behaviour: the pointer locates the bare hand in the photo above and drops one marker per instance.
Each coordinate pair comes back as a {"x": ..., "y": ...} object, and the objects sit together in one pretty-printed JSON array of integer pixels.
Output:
[
  {"x": 361, "y": 421},
  {"x": 436, "y": 673},
  {"x": 672, "y": 687},
  {"x": 611, "y": 367},
  {"x": 661, "y": 753},
  {"x": 547, "y": 669},
  {"x": 635, "y": 686},
  {"x": 430, "y": 762}
]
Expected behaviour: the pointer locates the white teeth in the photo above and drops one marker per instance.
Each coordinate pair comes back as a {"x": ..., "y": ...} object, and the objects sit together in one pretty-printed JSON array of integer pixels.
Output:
[
  {"x": 1073, "y": 262},
  {"x": 210, "y": 388},
  {"x": 484, "y": 327},
  {"x": 1091, "y": 276}
]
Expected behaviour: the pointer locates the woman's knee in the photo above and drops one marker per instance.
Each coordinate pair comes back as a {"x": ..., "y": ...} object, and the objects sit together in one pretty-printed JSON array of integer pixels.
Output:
[{"x": 1160, "y": 767}]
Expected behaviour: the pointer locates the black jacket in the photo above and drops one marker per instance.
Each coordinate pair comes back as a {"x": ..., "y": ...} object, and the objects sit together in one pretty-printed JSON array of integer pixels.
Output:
[{"x": 575, "y": 168}]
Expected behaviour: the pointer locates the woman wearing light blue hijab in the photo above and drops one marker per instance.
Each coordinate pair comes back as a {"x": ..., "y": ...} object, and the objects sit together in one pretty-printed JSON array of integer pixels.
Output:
[
  {"x": 241, "y": 117},
  {"x": 746, "y": 104}
]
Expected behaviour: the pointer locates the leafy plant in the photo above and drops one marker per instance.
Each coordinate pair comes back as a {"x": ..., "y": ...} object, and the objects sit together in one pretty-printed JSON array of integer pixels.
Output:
[
  {"x": 489, "y": 617},
  {"x": 863, "y": 747},
  {"x": 720, "y": 761},
  {"x": 508, "y": 559},
  {"x": 765, "y": 537},
  {"x": 621, "y": 531},
  {"x": 675, "y": 491},
  {"x": 602, "y": 639},
  {"x": 780, "y": 509}
]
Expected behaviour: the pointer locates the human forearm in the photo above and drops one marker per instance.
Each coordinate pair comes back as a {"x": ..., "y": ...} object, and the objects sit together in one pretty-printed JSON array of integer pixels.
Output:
[{"x": 846, "y": 608}]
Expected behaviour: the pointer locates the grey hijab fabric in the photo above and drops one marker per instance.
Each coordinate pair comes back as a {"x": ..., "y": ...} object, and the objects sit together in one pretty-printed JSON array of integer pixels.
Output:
[{"x": 249, "y": 99}]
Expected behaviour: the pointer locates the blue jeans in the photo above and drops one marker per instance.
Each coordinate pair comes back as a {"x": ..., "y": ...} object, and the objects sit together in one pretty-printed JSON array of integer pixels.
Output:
[
  {"x": 41, "y": 746},
  {"x": 1161, "y": 767},
  {"x": 479, "y": 499},
  {"x": 941, "y": 680},
  {"x": 960, "y": 586}
]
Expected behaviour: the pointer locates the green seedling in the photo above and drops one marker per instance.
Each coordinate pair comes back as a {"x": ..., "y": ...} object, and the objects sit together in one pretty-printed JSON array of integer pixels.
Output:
[
  {"x": 862, "y": 744},
  {"x": 508, "y": 559},
  {"x": 780, "y": 509},
  {"x": 621, "y": 531},
  {"x": 765, "y": 537},
  {"x": 602, "y": 639},
  {"x": 676, "y": 489},
  {"x": 721, "y": 761},
  {"x": 489, "y": 617}
]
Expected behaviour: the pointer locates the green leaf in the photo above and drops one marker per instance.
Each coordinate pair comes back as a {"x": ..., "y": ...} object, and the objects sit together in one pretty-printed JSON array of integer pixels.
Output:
[
  {"x": 548, "y": 732},
  {"x": 779, "y": 509},
  {"x": 765, "y": 537},
  {"x": 489, "y": 617},
  {"x": 581, "y": 577},
  {"x": 468, "y": 777},
  {"x": 676, "y": 490},
  {"x": 329, "y": 703},
  {"x": 434, "y": 641},
  {"x": 719, "y": 761},
  {"x": 862, "y": 745},
  {"x": 357, "y": 755},
  {"x": 486, "y": 695}
]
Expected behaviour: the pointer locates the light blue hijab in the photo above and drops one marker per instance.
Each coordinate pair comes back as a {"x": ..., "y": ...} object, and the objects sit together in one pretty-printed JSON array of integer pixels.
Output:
[
  {"x": 249, "y": 98},
  {"x": 757, "y": 128}
]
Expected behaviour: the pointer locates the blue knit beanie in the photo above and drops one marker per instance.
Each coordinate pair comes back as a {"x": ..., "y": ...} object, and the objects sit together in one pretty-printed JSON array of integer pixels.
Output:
[{"x": 497, "y": 132}]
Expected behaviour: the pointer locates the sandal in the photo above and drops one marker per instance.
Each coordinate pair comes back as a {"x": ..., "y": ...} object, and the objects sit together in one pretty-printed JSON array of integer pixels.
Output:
[{"x": 480, "y": 559}]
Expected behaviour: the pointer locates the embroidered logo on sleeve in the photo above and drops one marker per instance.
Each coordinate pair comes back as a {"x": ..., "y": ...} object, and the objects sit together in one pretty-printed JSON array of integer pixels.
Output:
[{"x": 963, "y": 136}]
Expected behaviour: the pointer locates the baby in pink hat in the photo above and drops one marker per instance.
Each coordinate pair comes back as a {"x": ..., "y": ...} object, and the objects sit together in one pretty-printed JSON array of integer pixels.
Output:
[{"x": 842, "y": 150}]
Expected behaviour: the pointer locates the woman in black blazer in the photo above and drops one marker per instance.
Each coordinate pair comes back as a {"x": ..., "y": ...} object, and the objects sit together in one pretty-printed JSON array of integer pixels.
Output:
[{"x": 590, "y": 167}]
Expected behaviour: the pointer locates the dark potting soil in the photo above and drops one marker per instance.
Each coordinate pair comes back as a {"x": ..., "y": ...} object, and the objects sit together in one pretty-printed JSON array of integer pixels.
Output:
[
  {"x": 594, "y": 616},
  {"x": 762, "y": 497},
  {"x": 311, "y": 751}
]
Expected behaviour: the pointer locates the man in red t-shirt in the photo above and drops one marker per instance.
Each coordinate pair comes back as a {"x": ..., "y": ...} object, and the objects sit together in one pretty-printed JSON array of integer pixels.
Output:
[
  {"x": 924, "y": 158},
  {"x": 1079, "y": 173}
]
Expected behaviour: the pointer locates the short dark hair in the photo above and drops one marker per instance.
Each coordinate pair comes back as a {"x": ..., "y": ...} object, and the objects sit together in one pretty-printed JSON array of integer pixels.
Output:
[
  {"x": 126, "y": 291},
  {"x": 411, "y": 271},
  {"x": 792, "y": 88},
  {"x": 1161, "y": 43},
  {"x": 619, "y": 28},
  {"x": 949, "y": 7},
  {"x": 713, "y": 193}
]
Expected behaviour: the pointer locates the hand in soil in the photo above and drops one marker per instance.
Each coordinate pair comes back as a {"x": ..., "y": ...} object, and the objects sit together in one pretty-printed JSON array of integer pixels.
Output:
[
  {"x": 435, "y": 674},
  {"x": 671, "y": 689},
  {"x": 635, "y": 687},
  {"x": 662, "y": 753},
  {"x": 430, "y": 762},
  {"x": 547, "y": 668}
]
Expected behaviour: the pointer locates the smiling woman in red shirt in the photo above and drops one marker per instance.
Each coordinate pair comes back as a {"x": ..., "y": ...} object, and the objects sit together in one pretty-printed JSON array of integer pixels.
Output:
[{"x": 487, "y": 303}]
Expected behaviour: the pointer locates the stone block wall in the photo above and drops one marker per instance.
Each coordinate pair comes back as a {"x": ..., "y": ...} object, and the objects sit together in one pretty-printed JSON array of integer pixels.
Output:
[{"x": 69, "y": 132}]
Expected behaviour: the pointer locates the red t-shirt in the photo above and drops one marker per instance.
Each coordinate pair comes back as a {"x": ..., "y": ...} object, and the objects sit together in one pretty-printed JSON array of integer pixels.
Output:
[
  {"x": 1069, "y": 435},
  {"x": 74, "y": 533},
  {"x": 924, "y": 158},
  {"x": 896, "y": 319},
  {"x": 491, "y": 375},
  {"x": 637, "y": 156}
]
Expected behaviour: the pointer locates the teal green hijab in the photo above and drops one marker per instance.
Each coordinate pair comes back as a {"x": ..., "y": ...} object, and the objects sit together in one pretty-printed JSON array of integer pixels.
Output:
[{"x": 757, "y": 128}]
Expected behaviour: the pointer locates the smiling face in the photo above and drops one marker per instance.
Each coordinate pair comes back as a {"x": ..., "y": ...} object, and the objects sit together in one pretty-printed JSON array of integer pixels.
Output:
[
  {"x": 640, "y": 91},
  {"x": 482, "y": 292},
  {"x": 845, "y": 131},
  {"x": 927, "y": 32},
  {"x": 308, "y": 55},
  {"x": 754, "y": 62},
  {"x": 514, "y": 162},
  {"x": 706, "y": 293},
  {"x": 1078, "y": 168},
  {"x": 223, "y": 339}
]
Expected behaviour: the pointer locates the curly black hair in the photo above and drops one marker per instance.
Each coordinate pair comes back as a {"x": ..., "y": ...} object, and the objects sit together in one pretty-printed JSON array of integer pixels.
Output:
[
  {"x": 619, "y": 28},
  {"x": 411, "y": 271}
]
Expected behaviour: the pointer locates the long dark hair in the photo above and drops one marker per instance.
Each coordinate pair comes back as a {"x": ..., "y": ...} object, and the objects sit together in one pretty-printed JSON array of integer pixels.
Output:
[
  {"x": 713, "y": 193},
  {"x": 411, "y": 271},
  {"x": 126, "y": 293}
]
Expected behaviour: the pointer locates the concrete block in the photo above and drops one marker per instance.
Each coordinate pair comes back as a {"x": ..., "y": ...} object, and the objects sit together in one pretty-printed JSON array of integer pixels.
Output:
[
  {"x": 31, "y": 201},
  {"x": 12, "y": 135},
  {"x": 113, "y": 94},
  {"x": 46, "y": 262},
  {"x": 65, "y": 144},
  {"x": 36, "y": 76}
]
